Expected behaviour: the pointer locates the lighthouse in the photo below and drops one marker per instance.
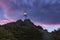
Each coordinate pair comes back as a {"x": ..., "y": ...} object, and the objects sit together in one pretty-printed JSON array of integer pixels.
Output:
[{"x": 25, "y": 15}]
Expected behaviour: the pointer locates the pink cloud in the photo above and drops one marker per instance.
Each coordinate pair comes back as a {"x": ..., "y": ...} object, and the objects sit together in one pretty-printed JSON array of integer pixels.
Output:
[
  {"x": 38, "y": 23},
  {"x": 5, "y": 7},
  {"x": 2, "y": 22},
  {"x": 49, "y": 27}
]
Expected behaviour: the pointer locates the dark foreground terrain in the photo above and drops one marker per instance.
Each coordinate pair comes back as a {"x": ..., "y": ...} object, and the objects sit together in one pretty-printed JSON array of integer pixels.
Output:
[{"x": 26, "y": 30}]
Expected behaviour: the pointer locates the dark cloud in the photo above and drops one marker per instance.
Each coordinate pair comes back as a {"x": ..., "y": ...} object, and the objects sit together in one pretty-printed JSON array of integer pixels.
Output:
[
  {"x": 43, "y": 11},
  {"x": 47, "y": 14}
]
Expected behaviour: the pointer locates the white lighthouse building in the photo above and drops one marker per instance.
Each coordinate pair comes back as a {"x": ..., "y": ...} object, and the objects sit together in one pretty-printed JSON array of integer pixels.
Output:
[{"x": 25, "y": 15}]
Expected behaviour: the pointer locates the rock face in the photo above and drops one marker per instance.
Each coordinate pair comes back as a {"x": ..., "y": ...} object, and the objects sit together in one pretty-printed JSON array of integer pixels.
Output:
[{"x": 46, "y": 35}]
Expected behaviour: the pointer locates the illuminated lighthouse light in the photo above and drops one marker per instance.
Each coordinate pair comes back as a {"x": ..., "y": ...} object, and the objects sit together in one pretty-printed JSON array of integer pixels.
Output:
[{"x": 25, "y": 14}]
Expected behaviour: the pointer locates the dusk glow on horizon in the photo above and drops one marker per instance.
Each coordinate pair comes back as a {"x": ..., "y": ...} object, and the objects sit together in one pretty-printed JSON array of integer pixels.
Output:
[{"x": 46, "y": 12}]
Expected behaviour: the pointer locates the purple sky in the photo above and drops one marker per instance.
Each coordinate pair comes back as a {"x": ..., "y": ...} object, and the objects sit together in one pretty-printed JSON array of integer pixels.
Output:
[{"x": 46, "y": 12}]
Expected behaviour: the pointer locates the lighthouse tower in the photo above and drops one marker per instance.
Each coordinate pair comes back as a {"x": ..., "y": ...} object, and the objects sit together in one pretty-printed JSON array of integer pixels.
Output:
[{"x": 25, "y": 15}]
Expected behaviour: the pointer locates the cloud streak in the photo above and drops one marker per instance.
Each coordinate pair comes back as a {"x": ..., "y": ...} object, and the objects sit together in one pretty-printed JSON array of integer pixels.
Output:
[
  {"x": 42, "y": 11},
  {"x": 5, "y": 8}
]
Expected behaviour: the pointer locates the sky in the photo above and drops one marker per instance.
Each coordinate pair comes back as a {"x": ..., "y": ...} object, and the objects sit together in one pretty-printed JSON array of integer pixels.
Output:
[{"x": 42, "y": 12}]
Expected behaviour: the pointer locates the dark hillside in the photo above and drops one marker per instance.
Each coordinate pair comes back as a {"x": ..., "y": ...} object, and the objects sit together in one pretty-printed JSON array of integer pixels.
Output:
[{"x": 26, "y": 30}]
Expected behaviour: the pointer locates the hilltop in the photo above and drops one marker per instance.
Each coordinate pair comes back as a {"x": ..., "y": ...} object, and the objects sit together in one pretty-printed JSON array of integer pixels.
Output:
[{"x": 26, "y": 30}]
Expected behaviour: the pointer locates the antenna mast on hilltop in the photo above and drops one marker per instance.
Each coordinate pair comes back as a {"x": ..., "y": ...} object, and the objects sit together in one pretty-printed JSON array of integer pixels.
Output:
[{"x": 25, "y": 14}]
